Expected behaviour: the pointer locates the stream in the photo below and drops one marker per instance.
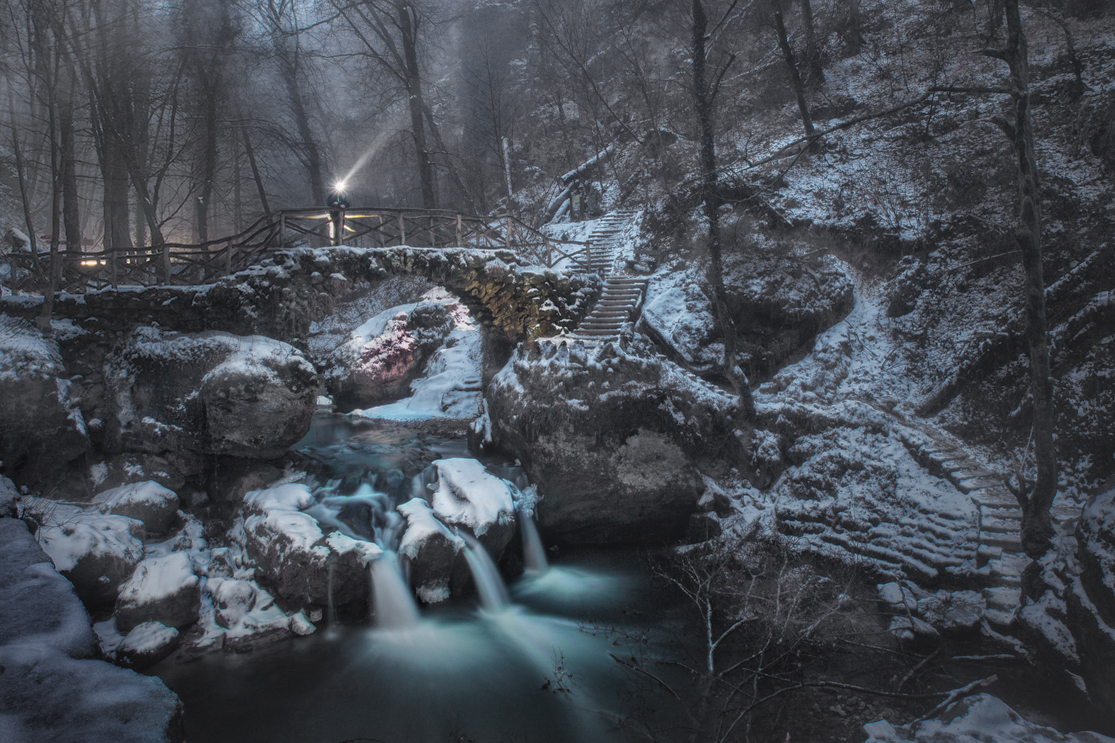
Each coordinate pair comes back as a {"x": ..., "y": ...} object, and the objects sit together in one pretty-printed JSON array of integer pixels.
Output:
[{"x": 529, "y": 661}]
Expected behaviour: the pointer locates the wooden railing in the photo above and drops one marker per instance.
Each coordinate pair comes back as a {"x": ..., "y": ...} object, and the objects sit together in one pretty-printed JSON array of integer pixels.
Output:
[{"x": 187, "y": 264}]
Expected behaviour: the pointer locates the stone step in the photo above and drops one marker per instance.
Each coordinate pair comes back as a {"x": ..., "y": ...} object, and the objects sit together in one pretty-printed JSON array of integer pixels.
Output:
[
  {"x": 1000, "y": 621},
  {"x": 1001, "y": 598},
  {"x": 1001, "y": 526},
  {"x": 986, "y": 554},
  {"x": 1009, "y": 542}
]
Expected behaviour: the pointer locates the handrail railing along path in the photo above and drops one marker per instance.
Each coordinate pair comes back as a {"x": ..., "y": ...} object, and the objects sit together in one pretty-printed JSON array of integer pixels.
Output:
[{"x": 366, "y": 227}]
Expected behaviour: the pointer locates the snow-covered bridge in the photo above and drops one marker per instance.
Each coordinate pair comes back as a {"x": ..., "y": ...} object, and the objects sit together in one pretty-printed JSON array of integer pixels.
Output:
[{"x": 281, "y": 295}]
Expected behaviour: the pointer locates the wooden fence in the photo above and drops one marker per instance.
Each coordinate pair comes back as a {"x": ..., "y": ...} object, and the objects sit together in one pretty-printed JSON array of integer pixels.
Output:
[{"x": 186, "y": 264}]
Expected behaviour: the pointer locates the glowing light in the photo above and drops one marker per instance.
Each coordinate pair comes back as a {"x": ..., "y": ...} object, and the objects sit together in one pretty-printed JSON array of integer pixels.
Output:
[{"x": 340, "y": 185}]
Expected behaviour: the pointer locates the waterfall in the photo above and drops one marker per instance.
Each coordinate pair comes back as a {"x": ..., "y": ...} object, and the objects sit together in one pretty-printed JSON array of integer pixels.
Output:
[
  {"x": 534, "y": 555},
  {"x": 395, "y": 605},
  {"x": 489, "y": 584}
]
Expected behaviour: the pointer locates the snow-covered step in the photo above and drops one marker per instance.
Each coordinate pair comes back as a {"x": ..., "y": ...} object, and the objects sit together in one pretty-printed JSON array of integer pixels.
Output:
[{"x": 997, "y": 539}]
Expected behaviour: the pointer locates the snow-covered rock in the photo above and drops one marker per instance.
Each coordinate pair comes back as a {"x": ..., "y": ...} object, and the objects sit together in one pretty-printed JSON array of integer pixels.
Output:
[
  {"x": 47, "y": 697},
  {"x": 162, "y": 589},
  {"x": 296, "y": 557},
  {"x": 211, "y": 392},
  {"x": 232, "y": 599},
  {"x": 37, "y": 605},
  {"x": 609, "y": 435},
  {"x": 464, "y": 494},
  {"x": 147, "y": 644},
  {"x": 1072, "y": 618},
  {"x": 448, "y": 395},
  {"x": 97, "y": 552},
  {"x": 41, "y": 427},
  {"x": 147, "y": 502},
  {"x": 972, "y": 720},
  {"x": 432, "y": 551},
  {"x": 779, "y": 304},
  {"x": 382, "y": 356}
]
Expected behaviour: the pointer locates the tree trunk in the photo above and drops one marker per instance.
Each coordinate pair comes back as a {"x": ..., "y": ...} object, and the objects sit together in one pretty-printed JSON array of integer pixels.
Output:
[
  {"x": 71, "y": 215},
  {"x": 409, "y": 31},
  {"x": 255, "y": 171},
  {"x": 812, "y": 53},
  {"x": 711, "y": 194},
  {"x": 1037, "y": 528},
  {"x": 792, "y": 67}
]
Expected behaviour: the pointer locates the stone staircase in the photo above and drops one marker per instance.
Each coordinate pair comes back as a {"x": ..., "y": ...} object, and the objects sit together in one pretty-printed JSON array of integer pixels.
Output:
[
  {"x": 618, "y": 304},
  {"x": 623, "y": 295},
  {"x": 604, "y": 241},
  {"x": 999, "y": 557}
]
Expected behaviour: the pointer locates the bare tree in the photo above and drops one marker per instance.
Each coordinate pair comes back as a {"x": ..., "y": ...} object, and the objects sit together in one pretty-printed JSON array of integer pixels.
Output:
[
  {"x": 1036, "y": 498},
  {"x": 705, "y": 95}
]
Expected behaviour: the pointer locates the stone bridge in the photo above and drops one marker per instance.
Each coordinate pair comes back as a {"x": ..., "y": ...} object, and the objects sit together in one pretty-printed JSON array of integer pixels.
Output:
[{"x": 284, "y": 294}]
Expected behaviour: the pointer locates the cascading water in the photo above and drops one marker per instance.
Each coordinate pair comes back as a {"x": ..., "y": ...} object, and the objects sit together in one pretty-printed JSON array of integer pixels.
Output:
[
  {"x": 534, "y": 554},
  {"x": 489, "y": 583},
  {"x": 394, "y": 603}
]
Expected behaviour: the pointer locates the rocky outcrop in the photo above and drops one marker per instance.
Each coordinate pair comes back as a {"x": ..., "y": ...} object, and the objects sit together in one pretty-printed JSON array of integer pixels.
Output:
[
  {"x": 778, "y": 303},
  {"x": 462, "y": 494},
  {"x": 977, "y": 718},
  {"x": 385, "y": 354},
  {"x": 41, "y": 427},
  {"x": 213, "y": 392},
  {"x": 147, "y": 502},
  {"x": 163, "y": 590},
  {"x": 1072, "y": 619},
  {"x": 609, "y": 435}
]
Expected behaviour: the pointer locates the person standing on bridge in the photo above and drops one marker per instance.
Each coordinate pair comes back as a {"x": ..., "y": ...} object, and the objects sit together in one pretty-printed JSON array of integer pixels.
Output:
[{"x": 337, "y": 202}]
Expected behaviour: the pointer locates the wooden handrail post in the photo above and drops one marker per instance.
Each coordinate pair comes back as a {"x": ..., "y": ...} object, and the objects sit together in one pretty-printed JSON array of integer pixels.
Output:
[
  {"x": 588, "y": 254},
  {"x": 549, "y": 254},
  {"x": 507, "y": 233},
  {"x": 402, "y": 230},
  {"x": 228, "y": 258},
  {"x": 282, "y": 230},
  {"x": 166, "y": 263},
  {"x": 458, "y": 230}
]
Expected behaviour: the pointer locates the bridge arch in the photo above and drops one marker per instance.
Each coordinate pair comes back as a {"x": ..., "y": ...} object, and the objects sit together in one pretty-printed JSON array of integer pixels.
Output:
[{"x": 281, "y": 296}]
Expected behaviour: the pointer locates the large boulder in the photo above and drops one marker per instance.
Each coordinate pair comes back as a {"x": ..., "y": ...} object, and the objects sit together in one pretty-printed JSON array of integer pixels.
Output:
[
  {"x": 47, "y": 697},
  {"x": 609, "y": 435},
  {"x": 37, "y": 605},
  {"x": 296, "y": 557},
  {"x": 41, "y": 427},
  {"x": 97, "y": 552},
  {"x": 211, "y": 392},
  {"x": 147, "y": 502},
  {"x": 779, "y": 304},
  {"x": 384, "y": 355},
  {"x": 147, "y": 644},
  {"x": 162, "y": 589}
]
